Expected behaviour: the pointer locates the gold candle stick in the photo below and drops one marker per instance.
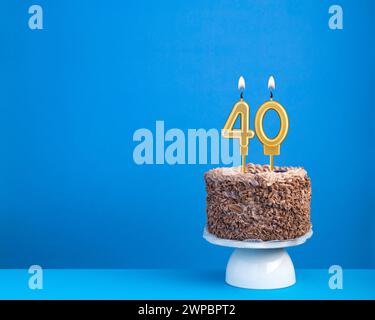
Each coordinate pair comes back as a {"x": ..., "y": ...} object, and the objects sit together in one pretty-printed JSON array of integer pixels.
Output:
[
  {"x": 271, "y": 147},
  {"x": 244, "y": 134}
]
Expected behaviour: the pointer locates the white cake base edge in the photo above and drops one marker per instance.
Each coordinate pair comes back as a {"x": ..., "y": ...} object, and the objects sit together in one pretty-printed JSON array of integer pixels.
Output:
[{"x": 256, "y": 244}]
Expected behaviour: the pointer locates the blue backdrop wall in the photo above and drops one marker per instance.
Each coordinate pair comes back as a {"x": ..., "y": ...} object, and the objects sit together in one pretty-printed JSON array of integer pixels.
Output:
[{"x": 73, "y": 94}]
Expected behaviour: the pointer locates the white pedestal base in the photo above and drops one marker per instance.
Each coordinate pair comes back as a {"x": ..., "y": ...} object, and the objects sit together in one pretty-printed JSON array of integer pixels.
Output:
[
  {"x": 260, "y": 269},
  {"x": 259, "y": 264}
]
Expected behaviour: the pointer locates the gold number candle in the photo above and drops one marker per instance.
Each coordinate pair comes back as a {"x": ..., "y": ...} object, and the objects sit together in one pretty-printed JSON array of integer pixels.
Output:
[
  {"x": 271, "y": 147},
  {"x": 244, "y": 134}
]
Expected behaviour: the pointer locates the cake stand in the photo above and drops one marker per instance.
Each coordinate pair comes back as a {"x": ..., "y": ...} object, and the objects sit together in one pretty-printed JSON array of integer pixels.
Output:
[{"x": 259, "y": 264}]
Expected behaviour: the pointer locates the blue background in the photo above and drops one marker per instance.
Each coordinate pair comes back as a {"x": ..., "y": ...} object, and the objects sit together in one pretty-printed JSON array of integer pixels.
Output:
[
  {"x": 177, "y": 284},
  {"x": 73, "y": 94}
]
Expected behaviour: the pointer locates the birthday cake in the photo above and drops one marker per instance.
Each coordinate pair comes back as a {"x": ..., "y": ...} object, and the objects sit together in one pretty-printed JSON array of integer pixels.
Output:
[{"x": 260, "y": 204}]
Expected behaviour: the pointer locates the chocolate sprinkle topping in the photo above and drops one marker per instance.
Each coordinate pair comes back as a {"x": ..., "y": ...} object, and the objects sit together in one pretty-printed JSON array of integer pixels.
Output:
[{"x": 260, "y": 204}]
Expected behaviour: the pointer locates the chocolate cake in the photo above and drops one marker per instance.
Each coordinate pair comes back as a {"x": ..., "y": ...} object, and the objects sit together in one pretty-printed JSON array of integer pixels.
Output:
[{"x": 260, "y": 204}]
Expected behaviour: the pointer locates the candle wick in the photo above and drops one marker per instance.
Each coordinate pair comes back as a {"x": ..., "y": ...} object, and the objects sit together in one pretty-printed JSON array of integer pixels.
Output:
[
  {"x": 241, "y": 95},
  {"x": 271, "y": 95}
]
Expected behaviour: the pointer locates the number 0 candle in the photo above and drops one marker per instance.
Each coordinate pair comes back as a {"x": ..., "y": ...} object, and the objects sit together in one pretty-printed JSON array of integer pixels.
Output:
[
  {"x": 244, "y": 134},
  {"x": 271, "y": 147}
]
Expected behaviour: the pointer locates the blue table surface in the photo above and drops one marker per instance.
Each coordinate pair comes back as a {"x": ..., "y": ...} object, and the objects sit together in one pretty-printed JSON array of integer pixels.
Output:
[{"x": 176, "y": 284}]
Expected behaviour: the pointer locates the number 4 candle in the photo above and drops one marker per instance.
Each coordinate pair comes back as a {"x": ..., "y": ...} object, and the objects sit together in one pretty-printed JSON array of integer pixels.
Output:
[
  {"x": 271, "y": 147},
  {"x": 244, "y": 134}
]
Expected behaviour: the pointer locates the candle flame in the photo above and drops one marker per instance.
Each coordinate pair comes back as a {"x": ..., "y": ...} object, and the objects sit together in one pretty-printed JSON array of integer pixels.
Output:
[
  {"x": 241, "y": 83},
  {"x": 271, "y": 83}
]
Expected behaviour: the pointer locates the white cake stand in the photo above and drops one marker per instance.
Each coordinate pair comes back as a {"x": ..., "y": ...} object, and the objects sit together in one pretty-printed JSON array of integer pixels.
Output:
[{"x": 259, "y": 264}]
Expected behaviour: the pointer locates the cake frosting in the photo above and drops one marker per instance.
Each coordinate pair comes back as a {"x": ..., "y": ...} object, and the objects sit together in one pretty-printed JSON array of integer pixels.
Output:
[{"x": 260, "y": 204}]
